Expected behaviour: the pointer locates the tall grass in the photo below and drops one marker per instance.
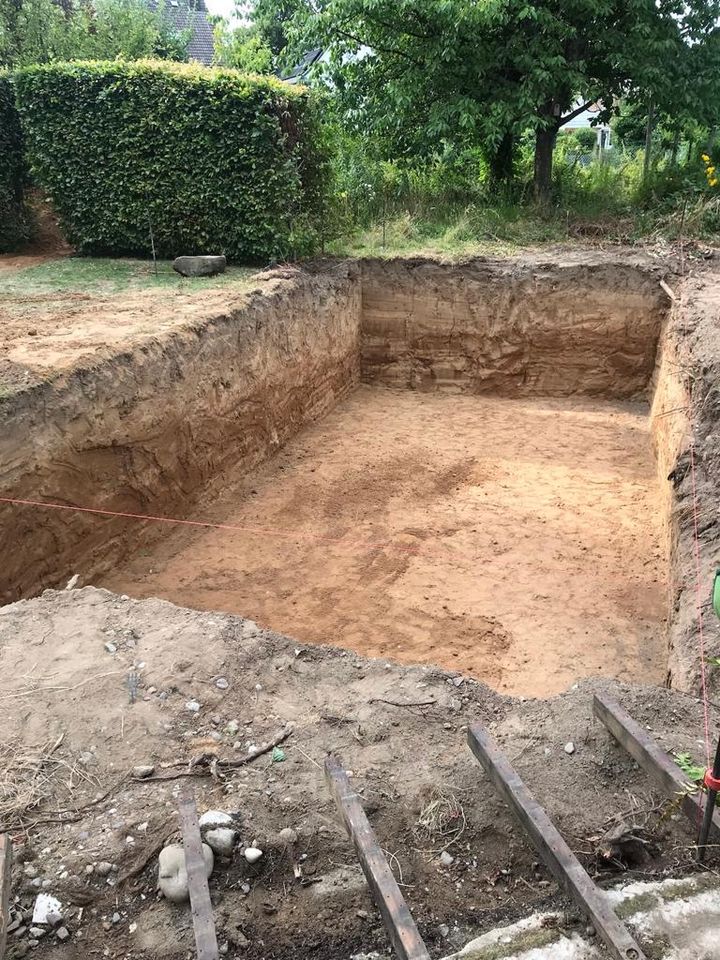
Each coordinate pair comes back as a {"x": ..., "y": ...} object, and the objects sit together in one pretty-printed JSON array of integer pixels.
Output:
[{"x": 448, "y": 203}]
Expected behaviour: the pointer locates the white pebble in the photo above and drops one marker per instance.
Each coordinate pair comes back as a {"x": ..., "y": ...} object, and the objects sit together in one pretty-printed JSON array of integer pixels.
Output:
[{"x": 252, "y": 854}]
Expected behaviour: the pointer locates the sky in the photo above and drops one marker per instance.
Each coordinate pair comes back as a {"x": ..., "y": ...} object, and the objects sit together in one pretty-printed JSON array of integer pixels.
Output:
[{"x": 225, "y": 8}]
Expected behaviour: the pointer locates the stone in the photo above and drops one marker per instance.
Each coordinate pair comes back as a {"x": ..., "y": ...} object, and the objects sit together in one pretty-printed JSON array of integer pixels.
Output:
[
  {"x": 63, "y": 934},
  {"x": 253, "y": 854},
  {"x": 172, "y": 875},
  {"x": 570, "y": 747},
  {"x": 221, "y": 683},
  {"x": 232, "y": 727},
  {"x": 222, "y": 840},
  {"x": 193, "y": 706},
  {"x": 444, "y": 931},
  {"x": 446, "y": 859},
  {"x": 103, "y": 869},
  {"x": 215, "y": 818},
  {"x": 143, "y": 771},
  {"x": 200, "y": 266},
  {"x": 288, "y": 835},
  {"x": 37, "y": 932},
  {"x": 47, "y": 910}
]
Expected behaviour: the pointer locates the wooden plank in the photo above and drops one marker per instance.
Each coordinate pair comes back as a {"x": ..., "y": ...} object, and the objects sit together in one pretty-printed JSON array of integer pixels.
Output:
[
  {"x": 202, "y": 915},
  {"x": 654, "y": 760},
  {"x": 552, "y": 848},
  {"x": 5, "y": 870},
  {"x": 404, "y": 935}
]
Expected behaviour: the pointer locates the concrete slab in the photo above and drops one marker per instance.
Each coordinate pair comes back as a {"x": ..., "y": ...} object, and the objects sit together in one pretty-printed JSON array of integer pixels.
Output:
[{"x": 672, "y": 919}]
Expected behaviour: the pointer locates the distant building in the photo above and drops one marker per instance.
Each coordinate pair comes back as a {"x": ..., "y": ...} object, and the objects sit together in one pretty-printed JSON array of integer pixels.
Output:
[
  {"x": 193, "y": 14},
  {"x": 584, "y": 121}
]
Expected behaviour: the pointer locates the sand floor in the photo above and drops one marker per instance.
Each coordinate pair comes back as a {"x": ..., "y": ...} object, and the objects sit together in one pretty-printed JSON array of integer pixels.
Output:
[{"x": 518, "y": 541}]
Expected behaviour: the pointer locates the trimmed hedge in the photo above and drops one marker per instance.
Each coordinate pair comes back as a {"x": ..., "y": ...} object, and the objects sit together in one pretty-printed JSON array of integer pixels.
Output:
[
  {"x": 14, "y": 222},
  {"x": 213, "y": 160}
]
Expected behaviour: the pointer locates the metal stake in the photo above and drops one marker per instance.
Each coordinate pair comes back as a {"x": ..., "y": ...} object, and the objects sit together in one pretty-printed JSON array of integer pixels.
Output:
[{"x": 709, "y": 808}]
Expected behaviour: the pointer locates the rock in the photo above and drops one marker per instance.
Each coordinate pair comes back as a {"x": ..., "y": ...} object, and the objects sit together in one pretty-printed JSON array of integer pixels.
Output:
[
  {"x": 110, "y": 647},
  {"x": 143, "y": 770},
  {"x": 72, "y": 582},
  {"x": 103, "y": 869},
  {"x": 172, "y": 876},
  {"x": 62, "y": 933},
  {"x": 221, "y": 840},
  {"x": 221, "y": 683},
  {"x": 446, "y": 860},
  {"x": 444, "y": 931},
  {"x": 253, "y": 854},
  {"x": 193, "y": 706},
  {"x": 569, "y": 747},
  {"x": 288, "y": 835},
  {"x": 232, "y": 727},
  {"x": 201, "y": 266},
  {"x": 47, "y": 910},
  {"x": 116, "y": 918},
  {"x": 215, "y": 818},
  {"x": 37, "y": 932},
  {"x": 89, "y": 868}
]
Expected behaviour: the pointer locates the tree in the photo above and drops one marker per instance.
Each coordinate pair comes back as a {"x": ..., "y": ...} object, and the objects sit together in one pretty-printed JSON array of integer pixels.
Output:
[
  {"x": 40, "y": 31},
  {"x": 483, "y": 73},
  {"x": 242, "y": 47}
]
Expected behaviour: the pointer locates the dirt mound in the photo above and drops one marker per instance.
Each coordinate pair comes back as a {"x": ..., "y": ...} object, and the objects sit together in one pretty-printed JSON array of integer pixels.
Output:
[{"x": 106, "y": 681}]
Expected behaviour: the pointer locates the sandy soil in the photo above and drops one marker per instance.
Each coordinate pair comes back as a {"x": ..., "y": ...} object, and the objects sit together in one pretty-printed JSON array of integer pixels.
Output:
[
  {"x": 516, "y": 541},
  {"x": 92, "y": 684}
]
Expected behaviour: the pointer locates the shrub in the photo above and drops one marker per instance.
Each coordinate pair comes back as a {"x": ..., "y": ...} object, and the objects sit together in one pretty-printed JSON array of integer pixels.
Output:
[
  {"x": 14, "y": 226},
  {"x": 212, "y": 160}
]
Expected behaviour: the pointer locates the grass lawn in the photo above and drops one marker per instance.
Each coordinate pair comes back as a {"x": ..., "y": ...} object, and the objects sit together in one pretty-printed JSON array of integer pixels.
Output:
[{"x": 104, "y": 275}]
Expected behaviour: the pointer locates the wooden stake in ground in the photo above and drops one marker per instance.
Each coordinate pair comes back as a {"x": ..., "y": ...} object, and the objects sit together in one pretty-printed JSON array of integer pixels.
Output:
[
  {"x": 552, "y": 848},
  {"x": 404, "y": 935},
  {"x": 202, "y": 916},
  {"x": 5, "y": 868}
]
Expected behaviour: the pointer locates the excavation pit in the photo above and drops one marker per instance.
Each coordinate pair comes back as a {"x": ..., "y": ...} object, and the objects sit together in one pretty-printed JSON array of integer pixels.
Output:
[
  {"x": 428, "y": 463},
  {"x": 515, "y": 541}
]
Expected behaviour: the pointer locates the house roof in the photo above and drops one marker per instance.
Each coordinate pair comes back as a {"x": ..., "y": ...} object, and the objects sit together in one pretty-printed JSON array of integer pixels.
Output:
[
  {"x": 192, "y": 13},
  {"x": 300, "y": 69}
]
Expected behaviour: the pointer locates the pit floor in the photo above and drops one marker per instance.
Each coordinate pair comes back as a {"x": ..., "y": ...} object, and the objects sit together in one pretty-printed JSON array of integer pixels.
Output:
[{"x": 518, "y": 541}]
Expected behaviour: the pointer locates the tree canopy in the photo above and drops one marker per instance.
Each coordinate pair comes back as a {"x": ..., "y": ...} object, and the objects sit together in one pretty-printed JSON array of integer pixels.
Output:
[{"x": 483, "y": 72}]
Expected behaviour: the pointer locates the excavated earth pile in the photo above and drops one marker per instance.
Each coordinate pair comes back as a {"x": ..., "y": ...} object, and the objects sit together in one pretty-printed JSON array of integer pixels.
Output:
[{"x": 478, "y": 480}]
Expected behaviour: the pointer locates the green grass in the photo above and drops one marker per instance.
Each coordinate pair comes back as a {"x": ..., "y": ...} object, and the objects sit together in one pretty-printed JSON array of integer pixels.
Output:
[{"x": 106, "y": 276}]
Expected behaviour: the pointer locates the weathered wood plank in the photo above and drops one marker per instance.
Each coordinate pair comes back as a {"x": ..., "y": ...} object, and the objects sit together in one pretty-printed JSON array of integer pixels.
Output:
[
  {"x": 202, "y": 915},
  {"x": 552, "y": 848},
  {"x": 654, "y": 760},
  {"x": 404, "y": 935},
  {"x": 5, "y": 870}
]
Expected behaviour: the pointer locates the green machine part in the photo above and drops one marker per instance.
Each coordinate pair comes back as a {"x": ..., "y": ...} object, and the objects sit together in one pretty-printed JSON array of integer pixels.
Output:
[{"x": 716, "y": 593}]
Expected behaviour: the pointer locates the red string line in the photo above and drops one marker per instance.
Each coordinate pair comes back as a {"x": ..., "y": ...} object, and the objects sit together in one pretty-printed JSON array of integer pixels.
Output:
[
  {"x": 698, "y": 594},
  {"x": 239, "y": 528}
]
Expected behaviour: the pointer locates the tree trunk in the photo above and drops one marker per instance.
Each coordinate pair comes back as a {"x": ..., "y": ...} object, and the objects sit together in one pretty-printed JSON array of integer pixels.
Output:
[
  {"x": 544, "y": 145},
  {"x": 648, "y": 139},
  {"x": 675, "y": 146},
  {"x": 502, "y": 160}
]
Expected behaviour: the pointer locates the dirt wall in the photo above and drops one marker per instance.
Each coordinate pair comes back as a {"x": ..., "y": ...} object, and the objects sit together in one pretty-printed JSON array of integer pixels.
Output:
[
  {"x": 147, "y": 430},
  {"x": 685, "y": 417},
  {"x": 533, "y": 327}
]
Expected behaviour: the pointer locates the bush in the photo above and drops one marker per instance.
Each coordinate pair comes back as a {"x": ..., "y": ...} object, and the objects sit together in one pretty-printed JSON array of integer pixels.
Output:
[
  {"x": 212, "y": 160},
  {"x": 14, "y": 226}
]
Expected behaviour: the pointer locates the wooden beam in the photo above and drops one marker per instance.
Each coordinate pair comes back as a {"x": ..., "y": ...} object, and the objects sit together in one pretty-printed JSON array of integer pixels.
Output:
[
  {"x": 5, "y": 870},
  {"x": 404, "y": 935},
  {"x": 202, "y": 915},
  {"x": 654, "y": 760},
  {"x": 552, "y": 848}
]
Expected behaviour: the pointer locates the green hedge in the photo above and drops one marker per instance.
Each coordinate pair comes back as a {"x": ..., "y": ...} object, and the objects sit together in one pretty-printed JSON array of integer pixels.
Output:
[
  {"x": 214, "y": 160},
  {"x": 14, "y": 226}
]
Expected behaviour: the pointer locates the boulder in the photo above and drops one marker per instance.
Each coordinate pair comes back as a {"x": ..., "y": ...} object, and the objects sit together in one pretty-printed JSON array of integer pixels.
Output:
[
  {"x": 172, "y": 875},
  {"x": 202, "y": 266}
]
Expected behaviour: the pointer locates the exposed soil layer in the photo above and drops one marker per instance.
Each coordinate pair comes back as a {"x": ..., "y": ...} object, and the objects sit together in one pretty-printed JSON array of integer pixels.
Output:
[
  {"x": 557, "y": 327},
  {"x": 401, "y": 730},
  {"x": 517, "y": 541}
]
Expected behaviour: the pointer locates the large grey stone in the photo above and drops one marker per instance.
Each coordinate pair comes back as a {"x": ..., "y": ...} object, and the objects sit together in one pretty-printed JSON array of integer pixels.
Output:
[
  {"x": 202, "y": 266},
  {"x": 172, "y": 875}
]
